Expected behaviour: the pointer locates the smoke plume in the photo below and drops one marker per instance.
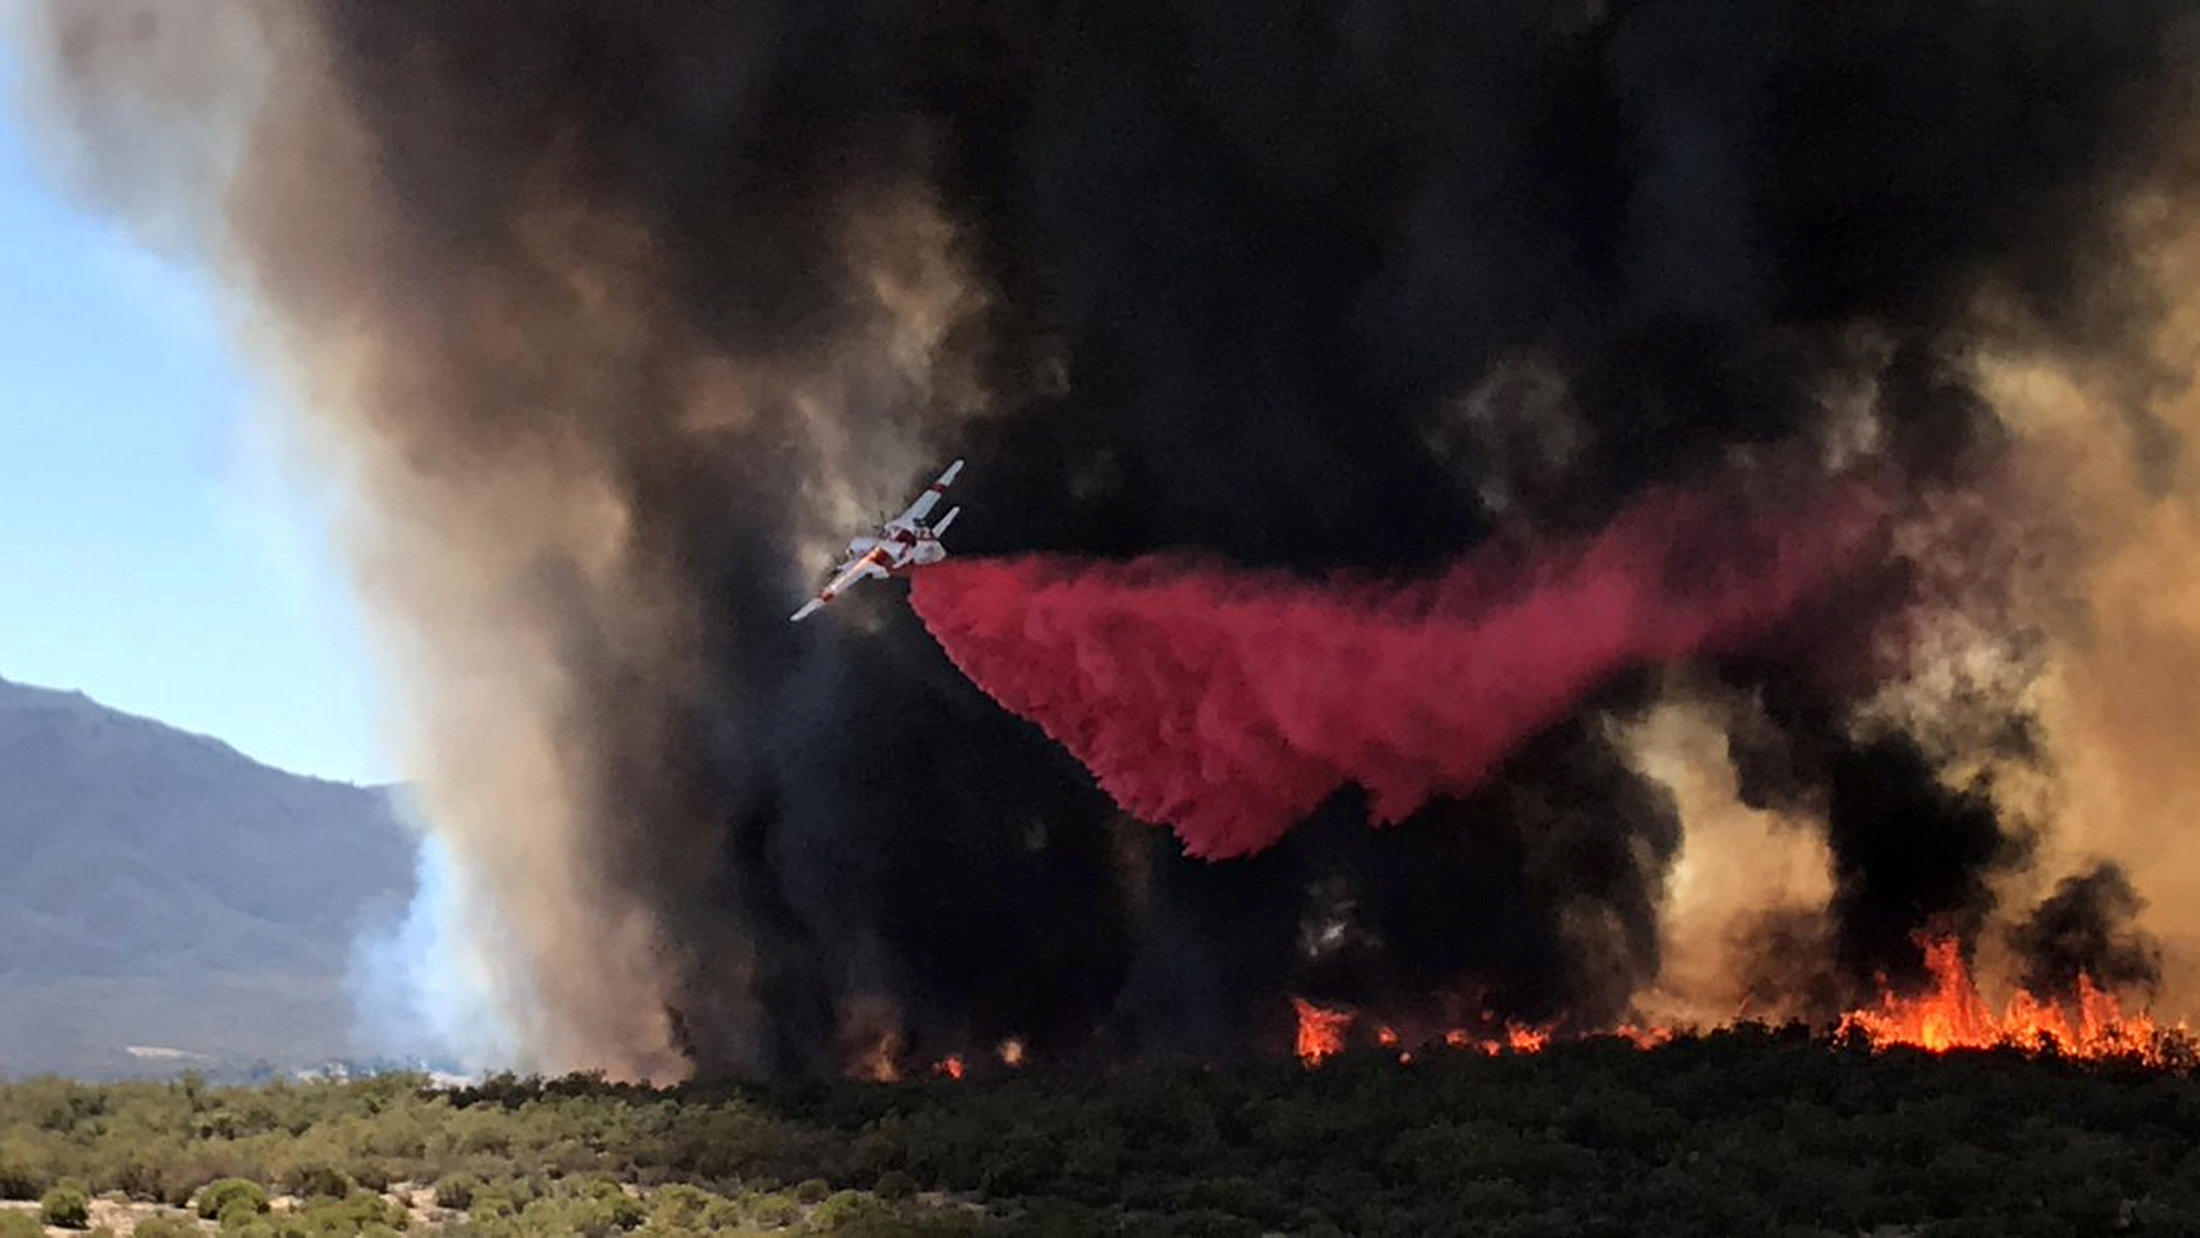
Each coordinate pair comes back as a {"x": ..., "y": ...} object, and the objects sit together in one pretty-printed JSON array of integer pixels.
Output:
[
  {"x": 614, "y": 320},
  {"x": 2084, "y": 929}
]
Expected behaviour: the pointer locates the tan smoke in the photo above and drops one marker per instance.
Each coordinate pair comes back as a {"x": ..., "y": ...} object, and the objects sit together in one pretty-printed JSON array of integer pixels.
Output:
[
  {"x": 500, "y": 561},
  {"x": 2119, "y": 703},
  {"x": 1738, "y": 865},
  {"x": 2092, "y": 545},
  {"x": 546, "y": 656}
]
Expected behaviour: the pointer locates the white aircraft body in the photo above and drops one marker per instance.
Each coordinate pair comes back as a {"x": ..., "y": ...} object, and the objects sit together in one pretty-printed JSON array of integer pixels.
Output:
[{"x": 900, "y": 544}]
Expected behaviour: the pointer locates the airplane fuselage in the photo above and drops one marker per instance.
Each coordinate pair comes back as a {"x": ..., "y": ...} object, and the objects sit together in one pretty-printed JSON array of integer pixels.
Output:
[{"x": 900, "y": 544}]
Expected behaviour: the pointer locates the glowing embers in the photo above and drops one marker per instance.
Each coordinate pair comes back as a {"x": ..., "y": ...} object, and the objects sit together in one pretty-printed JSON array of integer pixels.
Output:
[
  {"x": 1009, "y": 1053},
  {"x": 1952, "y": 1015}
]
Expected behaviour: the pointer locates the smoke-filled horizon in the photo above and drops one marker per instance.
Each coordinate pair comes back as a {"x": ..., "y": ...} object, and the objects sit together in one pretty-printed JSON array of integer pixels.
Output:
[{"x": 616, "y": 319}]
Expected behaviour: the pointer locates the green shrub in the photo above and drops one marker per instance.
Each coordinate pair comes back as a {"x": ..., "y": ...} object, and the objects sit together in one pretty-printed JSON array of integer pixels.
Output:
[
  {"x": 770, "y": 1211},
  {"x": 895, "y": 1184},
  {"x": 372, "y": 1174},
  {"x": 165, "y": 1227},
  {"x": 359, "y": 1213},
  {"x": 721, "y": 1214},
  {"x": 812, "y": 1190},
  {"x": 14, "y": 1224},
  {"x": 26, "y": 1168},
  {"x": 236, "y": 1215},
  {"x": 317, "y": 1181},
  {"x": 623, "y": 1210},
  {"x": 456, "y": 1191},
  {"x": 215, "y": 1197},
  {"x": 677, "y": 1206},
  {"x": 847, "y": 1208},
  {"x": 68, "y": 1206}
]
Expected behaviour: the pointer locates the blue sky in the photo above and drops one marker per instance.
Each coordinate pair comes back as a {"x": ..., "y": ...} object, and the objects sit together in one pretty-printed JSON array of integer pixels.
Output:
[{"x": 155, "y": 551}]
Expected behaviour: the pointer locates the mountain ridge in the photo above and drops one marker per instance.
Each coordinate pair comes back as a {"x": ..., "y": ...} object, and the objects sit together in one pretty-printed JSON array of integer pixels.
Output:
[{"x": 161, "y": 887}]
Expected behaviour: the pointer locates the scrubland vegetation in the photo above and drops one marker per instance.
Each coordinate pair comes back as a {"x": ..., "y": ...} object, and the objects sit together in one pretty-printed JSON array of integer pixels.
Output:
[{"x": 1749, "y": 1131}]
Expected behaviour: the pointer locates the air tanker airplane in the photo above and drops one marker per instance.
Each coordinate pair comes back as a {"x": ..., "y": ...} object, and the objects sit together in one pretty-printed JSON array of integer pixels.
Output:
[{"x": 902, "y": 543}]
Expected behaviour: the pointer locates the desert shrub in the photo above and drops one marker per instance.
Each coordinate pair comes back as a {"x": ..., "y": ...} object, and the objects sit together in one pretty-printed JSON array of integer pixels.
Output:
[
  {"x": 68, "y": 1206},
  {"x": 721, "y": 1214},
  {"x": 1211, "y": 1223},
  {"x": 589, "y": 1218},
  {"x": 895, "y": 1184},
  {"x": 770, "y": 1210},
  {"x": 372, "y": 1173},
  {"x": 456, "y": 1191},
  {"x": 505, "y": 1197},
  {"x": 357, "y": 1213},
  {"x": 316, "y": 1181},
  {"x": 812, "y": 1190},
  {"x": 238, "y": 1214},
  {"x": 165, "y": 1227},
  {"x": 215, "y": 1197},
  {"x": 677, "y": 1206},
  {"x": 14, "y": 1224},
  {"x": 611, "y": 1201},
  {"x": 26, "y": 1167},
  {"x": 844, "y": 1209},
  {"x": 142, "y": 1168}
]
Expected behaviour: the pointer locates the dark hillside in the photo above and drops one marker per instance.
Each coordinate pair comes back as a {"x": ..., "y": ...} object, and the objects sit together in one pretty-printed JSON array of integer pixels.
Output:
[{"x": 161, "y": 889}]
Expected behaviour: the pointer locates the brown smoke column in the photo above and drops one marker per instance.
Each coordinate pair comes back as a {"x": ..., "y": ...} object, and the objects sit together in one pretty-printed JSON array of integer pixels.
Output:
[{"x": 504, "y": 407}]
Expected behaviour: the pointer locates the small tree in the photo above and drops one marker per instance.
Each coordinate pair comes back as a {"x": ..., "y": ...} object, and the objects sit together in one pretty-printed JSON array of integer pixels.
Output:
[
  {"x": 456, "y": 1191},
  {"x": 67, "y": 1206},
  {"x": 318, "y": 1181},
  {"x": 216, "y": 1197},
  {"x": 26, "y": 1168}
]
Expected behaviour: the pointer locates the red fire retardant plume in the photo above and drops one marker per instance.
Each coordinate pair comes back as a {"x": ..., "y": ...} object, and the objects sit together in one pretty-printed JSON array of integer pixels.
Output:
[{"x": 1229, "y": 704}]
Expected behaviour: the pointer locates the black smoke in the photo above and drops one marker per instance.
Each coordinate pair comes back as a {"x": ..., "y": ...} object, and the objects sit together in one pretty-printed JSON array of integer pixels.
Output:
[
  {"x": 2085, "y": 928},
  {"x": 1294, "y": 284}
]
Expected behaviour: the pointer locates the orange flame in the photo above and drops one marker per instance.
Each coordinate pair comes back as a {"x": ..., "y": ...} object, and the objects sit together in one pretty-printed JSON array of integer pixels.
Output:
[
  {"x": 1527, "y": 1039},
  {"x": 1953, "y": 1016},
  {"x": 1643, "y": 1037},
  {"x": 1950, "y": 1016},
  {"x": 1321, "y": 1032}
]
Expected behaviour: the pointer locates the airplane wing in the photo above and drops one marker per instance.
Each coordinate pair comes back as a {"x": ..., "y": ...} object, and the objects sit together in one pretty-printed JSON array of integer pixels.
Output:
[
  {"x": 931, "y": 496},
  {"x": 868, "y": 564}
]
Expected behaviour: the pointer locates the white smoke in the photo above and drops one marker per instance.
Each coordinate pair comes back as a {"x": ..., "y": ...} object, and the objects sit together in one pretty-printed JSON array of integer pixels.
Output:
[{"x": 422, "y": 989}]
